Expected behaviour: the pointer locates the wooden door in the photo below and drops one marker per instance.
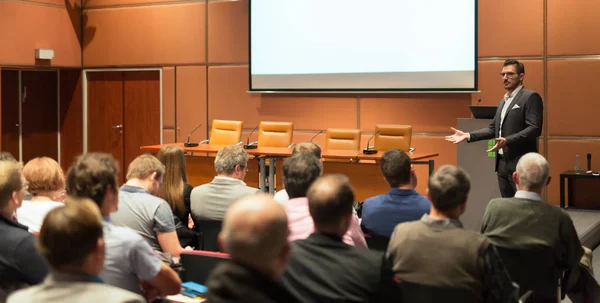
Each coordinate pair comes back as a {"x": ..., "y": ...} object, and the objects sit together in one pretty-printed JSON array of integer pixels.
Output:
[
  {"x": 10, "y": 111},
  {"x": 105, "y": 114},
  {"x": 39, "y": 114},
  {"x": 141, "y": 105}
]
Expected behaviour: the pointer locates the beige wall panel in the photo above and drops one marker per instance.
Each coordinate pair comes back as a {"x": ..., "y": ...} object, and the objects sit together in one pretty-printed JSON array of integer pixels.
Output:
[
  {"x": 490, "y": 82},
  {"x": 160, "y": 35},
  {"x": 191, "y": 102},
  {"x": 511, "y": 28},
  {"x": 561, "y": 156},
  {"x": 425, "y": 112},
  {"x": 228, "y": 31},
  {"x": 168, "y": 82},
  {"x": 25, "y": 27},
  {"x": 168, "y": 136},
  {"x": 573, "y": 27},
  {"x": 228, "y": 99},
  {"x": 573, "y": 92}
]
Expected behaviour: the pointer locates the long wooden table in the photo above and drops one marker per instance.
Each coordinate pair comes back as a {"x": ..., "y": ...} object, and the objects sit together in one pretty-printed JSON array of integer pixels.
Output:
[{"x": 342, "y": 161}]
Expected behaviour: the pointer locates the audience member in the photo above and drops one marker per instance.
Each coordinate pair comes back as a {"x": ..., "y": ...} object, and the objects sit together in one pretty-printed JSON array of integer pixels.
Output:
[
  {"x": 47, "y": 188},
  {"x": 71, "y": 240},
  {"x": 303, "y": 147},
  {"x": 322, "y": 268},
  {"x": 130, "y": 261},
  {"x": 380, "y": 214},
  {"x": 21, "y": 264},
  {"x": 6, "y": 156},
  {"x": 255, "y": 234},
  {"x": 527, "y": 221},
  {"x": 176, "y": 191},
  {"x": 141, "y": 210},
  {"x": 299, "y": 172},
  {"x": 436, "y": 251},
  {"x": 210, "y": 201}
]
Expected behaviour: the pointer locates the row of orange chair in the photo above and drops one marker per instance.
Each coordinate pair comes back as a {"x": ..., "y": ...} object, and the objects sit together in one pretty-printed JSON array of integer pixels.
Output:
[{"x": 280, "y": 134}]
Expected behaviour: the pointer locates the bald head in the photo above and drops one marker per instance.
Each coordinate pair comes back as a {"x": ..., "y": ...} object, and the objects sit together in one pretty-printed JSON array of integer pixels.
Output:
[
  {"x": 255, "y": 232},
  {"x": 330, "y": 200},
  {"x": 533, "y": 172}
]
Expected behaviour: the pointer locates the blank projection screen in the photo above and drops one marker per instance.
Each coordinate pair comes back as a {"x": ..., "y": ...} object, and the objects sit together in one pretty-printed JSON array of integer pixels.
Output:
[{"x": 368, "y": 45}]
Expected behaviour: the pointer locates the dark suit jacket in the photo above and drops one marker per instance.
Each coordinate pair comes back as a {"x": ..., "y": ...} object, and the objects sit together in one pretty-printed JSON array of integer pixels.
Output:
[
  {"x": 521, "y": 127},
  {"x": 322, "y": 268}
]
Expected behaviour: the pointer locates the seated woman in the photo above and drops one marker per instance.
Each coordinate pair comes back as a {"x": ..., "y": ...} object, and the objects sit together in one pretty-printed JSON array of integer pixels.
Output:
[
  {"x": 47, "y": 189},
  {"x": 176, "y": 192}
]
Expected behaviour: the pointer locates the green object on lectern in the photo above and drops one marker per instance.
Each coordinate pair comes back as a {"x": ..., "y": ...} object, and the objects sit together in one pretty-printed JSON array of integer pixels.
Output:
[{"x": 491, "y": 144}]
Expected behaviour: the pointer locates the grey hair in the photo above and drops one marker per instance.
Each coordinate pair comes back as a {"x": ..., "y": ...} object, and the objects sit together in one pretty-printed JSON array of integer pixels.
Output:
[
  {"x": 228, "y": 157},
  {"x": 533, "y": 171}
]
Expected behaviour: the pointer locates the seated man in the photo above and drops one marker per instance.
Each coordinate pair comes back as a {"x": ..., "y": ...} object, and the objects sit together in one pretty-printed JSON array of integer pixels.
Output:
[
  {"x": 302, "y": 147},
  {"x": 299, "y": 172},
  {"x": 210, "y": 201},
  {"x": 322, "y": 268},
  {"x": 436, "y": 251},
  {"x": 129, "y": 261},
  {"x": 526, "y": 221},
  {"x": 71, "y": 240},
  {"x": 255, "y": 234},
  {"x": 141, "y": 210},
  {"x": 21, "y": 264},
  {"x": 380, "y": 214}
]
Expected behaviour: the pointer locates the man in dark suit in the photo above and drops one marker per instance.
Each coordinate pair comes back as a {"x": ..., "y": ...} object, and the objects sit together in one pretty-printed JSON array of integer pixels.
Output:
[
  {"x": 516, "y": 127},
  {"x": 322, "y": 268}
]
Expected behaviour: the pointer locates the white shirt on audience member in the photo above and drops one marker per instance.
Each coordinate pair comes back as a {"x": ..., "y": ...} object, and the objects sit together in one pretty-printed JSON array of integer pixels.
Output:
[
  {"x": 32, "y": 213},
  {"x": 281, "y": 196}
]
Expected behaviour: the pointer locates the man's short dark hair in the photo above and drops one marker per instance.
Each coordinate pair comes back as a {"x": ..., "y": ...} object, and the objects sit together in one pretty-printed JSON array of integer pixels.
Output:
[
  {"x": 70, "y": 233},
  {"x": 519, "y": 66},
  {"x": 395, "y": 167},
  {"x": 308, "y": 147},
  {"x": 91, "y": 175},
  {"x": 299, "y": 172},
  {"x": 330, "y": 199},
  {"x": 449, "y": 187}
]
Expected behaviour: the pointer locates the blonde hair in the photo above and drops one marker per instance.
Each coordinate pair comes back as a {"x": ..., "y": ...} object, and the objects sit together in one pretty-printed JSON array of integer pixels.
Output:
[
  {"x": 10, "y": 181},
  {"x": 43, "y": 174},
  {"x": 173, "y": 158},
  {"x": 143, "y": 166}
]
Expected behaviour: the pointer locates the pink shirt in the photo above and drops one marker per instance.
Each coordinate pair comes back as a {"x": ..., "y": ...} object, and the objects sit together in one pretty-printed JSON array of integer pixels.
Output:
[{"x": 301, "y": 224}]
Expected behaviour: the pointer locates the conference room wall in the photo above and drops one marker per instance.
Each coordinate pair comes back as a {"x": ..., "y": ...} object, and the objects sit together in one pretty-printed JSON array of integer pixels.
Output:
[
  {"x": 30, "y": 24},
  {"x": 573, "y": 27}
]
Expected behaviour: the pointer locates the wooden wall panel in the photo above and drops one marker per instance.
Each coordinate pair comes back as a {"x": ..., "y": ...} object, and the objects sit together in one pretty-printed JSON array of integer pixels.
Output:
[
  {"x": 168, "y": 80},
  {"x": 573, "y": 97},
  {"x": 228, "y": 31},
  {"x": 561, "y": 156},
  {"x": 168, "y": 136},
  {"x": 108, "y": 3},
  {"x": 25, "y": 27},
  {"x": 425, "y": 112},
  {"x": 228, "y": 98},
  {"x": 191, "y": 102},
  {"x": 490, "y": 82},
  {"x": 511, "y": 28},
  {"x": 71, "y": 116},
  {"x": 174, "y": 34},
  {"x": 10, "y": 111},
  {"x": 573, "y": 27}
]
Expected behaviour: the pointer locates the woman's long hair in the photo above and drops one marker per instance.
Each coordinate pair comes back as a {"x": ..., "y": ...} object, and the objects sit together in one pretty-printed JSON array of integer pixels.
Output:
[{"x": 173, "y": 158}]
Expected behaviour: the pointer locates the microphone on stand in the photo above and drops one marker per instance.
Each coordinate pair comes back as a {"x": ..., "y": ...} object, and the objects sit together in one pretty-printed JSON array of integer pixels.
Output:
[
  {"x": 370, "y": 150},
  {"x": 188, "y": 143},
  {"x": 252, "y": 145},
  {"x": 313, "y": 137}
]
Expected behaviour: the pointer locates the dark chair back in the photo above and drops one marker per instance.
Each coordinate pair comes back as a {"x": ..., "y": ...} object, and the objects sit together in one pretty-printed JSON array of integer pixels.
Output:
[
  {"x": 198, "y": 264},
  {"x": 534, "y": 269},
  {"x": 375, "y": 242},
  {"x": 411, "y": 292},
  {"x": 208, "y": 232}
]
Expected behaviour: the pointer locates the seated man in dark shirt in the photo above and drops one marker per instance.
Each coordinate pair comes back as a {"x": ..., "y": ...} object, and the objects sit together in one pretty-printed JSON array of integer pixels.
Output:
[
  {"x": 380, "y": 214},
  {"x": 20, "y": 262},
  {"x": 322, "y": 268}
]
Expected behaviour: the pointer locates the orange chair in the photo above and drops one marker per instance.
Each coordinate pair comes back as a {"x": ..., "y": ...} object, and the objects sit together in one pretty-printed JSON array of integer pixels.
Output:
[
  {"x": 344, "y": 139},
  {"x": 225, "y": 132},
  {"x": 275, "y": 134},
  {"x": 392, "y": 136}
]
